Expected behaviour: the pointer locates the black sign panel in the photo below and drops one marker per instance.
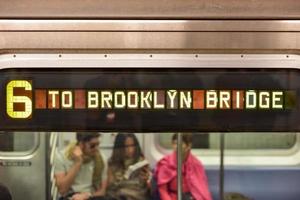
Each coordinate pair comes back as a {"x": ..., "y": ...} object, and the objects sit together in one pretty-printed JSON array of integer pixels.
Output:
[{"x": 149, "y": 100}]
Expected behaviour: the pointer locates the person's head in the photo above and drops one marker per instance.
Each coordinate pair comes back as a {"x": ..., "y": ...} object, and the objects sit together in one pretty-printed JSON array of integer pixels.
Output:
[
  {"x": 186, "y": 143},
  {"x": 88, "y": 142},
  {"x": 126, "y": 146},
  {"x": 4, "y": 193}
]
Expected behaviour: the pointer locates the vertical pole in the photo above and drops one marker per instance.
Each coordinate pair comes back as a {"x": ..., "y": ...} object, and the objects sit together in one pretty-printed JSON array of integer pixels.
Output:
[
  {"x": 222, "y": 140},
  {"x": 179, "y": 166}
]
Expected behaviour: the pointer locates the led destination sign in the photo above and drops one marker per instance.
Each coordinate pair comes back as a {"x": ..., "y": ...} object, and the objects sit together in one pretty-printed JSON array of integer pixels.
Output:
[
  {"x": 149, "y": 100},
  {"x": 22, "y": 99}
]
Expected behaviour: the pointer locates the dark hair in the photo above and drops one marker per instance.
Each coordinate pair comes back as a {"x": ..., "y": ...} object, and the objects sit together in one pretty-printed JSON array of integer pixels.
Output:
[
  {"x": 86, "y": 136},
  {"x": 4, "y": 193},
  {"x": 118, "y": 155},
  {"x": 186, "y": 138}
]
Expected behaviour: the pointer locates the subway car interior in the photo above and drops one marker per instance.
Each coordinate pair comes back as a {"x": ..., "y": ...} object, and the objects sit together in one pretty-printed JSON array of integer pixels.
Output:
[{"x": 123, "y": 100}]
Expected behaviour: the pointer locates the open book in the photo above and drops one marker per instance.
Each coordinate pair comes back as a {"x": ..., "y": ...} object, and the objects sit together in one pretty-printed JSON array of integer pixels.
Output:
[{"x": 135, "y": 168}]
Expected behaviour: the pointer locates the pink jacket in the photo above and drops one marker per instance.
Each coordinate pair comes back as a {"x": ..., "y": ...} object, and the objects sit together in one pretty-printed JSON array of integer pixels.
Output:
[{"x": 195, "y": 177}]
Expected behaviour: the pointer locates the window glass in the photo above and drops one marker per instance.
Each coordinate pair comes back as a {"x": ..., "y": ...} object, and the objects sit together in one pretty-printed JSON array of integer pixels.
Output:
[
  {"x": 17, "y": 141},
  {"x": 160, "y": 100},
  {"x": 260, "y": 140},
  {"x": 163, "y": 101},
  {"x": 238, "y": 141},
  {"x": 131, "y": 157}
]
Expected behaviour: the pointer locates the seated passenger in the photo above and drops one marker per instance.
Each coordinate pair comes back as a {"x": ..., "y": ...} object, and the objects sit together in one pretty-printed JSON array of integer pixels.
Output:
[
  {"x": 81, "y": 169},
  {"x": 194, "y": 181},
  {"x": 122, "y": 185},
  {"x": 4, "y": 193}
]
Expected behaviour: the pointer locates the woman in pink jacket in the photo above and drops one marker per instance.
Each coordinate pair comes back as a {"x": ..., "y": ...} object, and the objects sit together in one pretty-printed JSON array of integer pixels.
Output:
[{"x": 194, "y": 181}]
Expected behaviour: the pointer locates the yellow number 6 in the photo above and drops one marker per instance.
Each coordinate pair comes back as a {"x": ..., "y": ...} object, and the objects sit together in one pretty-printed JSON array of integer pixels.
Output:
[{"x": 12, "y": 99}]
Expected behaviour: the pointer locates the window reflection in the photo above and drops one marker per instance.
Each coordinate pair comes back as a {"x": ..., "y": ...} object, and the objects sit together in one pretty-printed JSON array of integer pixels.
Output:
[
  {"x": 17, "y": 141},
  {"x": 237, "y": 141}
]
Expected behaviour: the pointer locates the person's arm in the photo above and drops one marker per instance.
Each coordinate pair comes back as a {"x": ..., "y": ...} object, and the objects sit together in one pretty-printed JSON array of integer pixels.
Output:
[
  {"x": 163, "y": 192},
  {"x": 110, "y": 177},
  {"x": 64, "y": 180},
  {"x": 102, "y": 189}
]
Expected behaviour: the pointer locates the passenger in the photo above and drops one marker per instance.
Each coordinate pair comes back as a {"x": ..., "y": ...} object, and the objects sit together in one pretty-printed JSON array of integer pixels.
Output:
[
  {"x": 194, "y": 181},
  {"x": 126, "y": 153},
  {"x": 81, "y": 169},
  {"x": 4, "y": 193}
]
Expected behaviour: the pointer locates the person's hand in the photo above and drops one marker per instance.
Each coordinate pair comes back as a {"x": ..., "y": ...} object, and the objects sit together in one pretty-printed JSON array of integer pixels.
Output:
[
  {"x": 81, "y": 196},
  {"x": 77, "y": 154},
  {"x": 145, "y": 174}
]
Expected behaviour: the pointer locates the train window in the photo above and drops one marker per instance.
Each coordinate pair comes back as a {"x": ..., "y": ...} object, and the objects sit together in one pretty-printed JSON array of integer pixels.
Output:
[
  {"x": 113, "y": 147},
  {"x": 203, "y": 102},
  {"x": 17, "y": 141},
  {"x": 255, "y": 141},
  {"x": 140, "y": 100}
]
